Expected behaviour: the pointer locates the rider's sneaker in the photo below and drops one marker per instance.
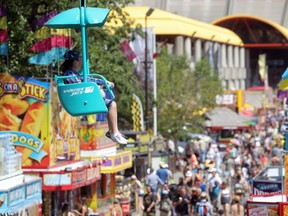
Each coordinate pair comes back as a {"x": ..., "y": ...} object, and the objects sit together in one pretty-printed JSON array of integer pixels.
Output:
[
  {"x": 108, "y": 135},
  {"x": 118, "y": 138}
]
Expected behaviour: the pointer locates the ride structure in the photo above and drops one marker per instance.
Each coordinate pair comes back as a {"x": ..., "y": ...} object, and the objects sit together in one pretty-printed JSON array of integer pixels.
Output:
[{"x": 81, "y": 98}]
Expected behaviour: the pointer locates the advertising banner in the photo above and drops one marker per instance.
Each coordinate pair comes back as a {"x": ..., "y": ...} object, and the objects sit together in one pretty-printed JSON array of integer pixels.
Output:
[
  {"x": 266, "y": 187},
  {"x": 92, "y": 137},
  {"x": 41, "y": 130},
  {"x": 261, "y": 208}
]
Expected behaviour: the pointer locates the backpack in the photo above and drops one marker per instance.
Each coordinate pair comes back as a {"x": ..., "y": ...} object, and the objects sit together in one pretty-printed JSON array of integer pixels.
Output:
[
  {"x": 165, "y": 206},
  {"x": 202, "y": 208}
]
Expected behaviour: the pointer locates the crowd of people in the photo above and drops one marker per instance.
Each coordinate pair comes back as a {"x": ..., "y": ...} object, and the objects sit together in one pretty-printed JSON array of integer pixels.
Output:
[{"x": 214, "y": 181}]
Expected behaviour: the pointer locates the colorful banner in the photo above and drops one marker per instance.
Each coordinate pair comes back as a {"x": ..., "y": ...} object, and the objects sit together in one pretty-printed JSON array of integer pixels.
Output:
[
  {"x": 4, "y": 49},
  {"x": 51, "y": 42},
  {"x": 41, "y": 21},
  {"x": 24, "y": 104},
  {"x": 3, "y": 22},
  {"x": 3, "y": 10},
  {"x": 46, "y": 32},
  {"x": 3, "y": 31},
  {"x": 46, "y": 58},
  {"x": 41, "y": 130}
]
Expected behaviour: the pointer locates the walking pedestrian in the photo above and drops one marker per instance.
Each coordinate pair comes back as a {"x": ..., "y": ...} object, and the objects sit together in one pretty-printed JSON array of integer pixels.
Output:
[{"x": 149, "y": 202}]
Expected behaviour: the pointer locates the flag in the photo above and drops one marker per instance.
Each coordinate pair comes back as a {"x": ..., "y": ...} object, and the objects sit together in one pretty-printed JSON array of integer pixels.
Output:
[
  {"x": 4, "y": 49},
  {"x": 262, "y": 66},
  {"x": 127, "y": 51},
  {"x": 42, "y": 20},
  {"x": 159, "y": 49},
  {"x": 137, "y": 114},
  {"x": 3, "y": 31},
  {"x": 3, "y": 35},
  {"x": 3, "y": 11},
  {"x": 45, "y": 32},
  {"x": 3, "y": 22},
  {"x": 51, "y": 42},
  {"x": 48, "y": 57}
]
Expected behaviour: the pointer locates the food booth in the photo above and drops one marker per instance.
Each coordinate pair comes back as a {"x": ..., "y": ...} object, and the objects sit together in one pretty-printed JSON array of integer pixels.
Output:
[{"x": 48, "y": 139}]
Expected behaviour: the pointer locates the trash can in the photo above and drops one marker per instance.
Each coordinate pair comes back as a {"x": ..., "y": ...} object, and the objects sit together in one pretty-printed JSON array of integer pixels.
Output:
[{"x": 125, "y": 206}]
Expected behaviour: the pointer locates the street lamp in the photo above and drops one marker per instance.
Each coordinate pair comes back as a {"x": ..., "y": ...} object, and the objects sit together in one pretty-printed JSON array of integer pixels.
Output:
[{"x": 148, "y": 13}]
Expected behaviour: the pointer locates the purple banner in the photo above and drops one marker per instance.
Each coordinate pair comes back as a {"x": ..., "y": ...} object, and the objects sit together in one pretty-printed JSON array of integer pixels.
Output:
[
  {"x": 41, "y": 21},
  {"x": 3, "y": 10}
]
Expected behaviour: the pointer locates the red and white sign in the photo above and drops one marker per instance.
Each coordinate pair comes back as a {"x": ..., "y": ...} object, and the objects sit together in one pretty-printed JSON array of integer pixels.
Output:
[{"x": 260, "y": 211}]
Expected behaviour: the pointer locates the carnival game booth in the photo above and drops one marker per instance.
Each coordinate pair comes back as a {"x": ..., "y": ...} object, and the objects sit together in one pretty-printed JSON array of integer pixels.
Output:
[
  {"x": 47, "y": 137},
  {"x": 19, "y": 194}
]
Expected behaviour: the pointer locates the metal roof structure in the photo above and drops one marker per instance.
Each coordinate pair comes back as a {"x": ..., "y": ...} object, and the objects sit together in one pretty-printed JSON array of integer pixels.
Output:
[
  {"x": 166, "y": 23},
  {"x": 255, "y": 31},
  {"x": 210, "y": 10},
  {"x": 225, "y": 118}
]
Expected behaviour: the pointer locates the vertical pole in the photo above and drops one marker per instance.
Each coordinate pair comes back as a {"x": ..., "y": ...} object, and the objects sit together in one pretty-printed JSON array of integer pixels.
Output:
[
  {"x": 84, "y": 42},
  {"x": 154, "y": 91},
  {"x": 146, "y": 75}
]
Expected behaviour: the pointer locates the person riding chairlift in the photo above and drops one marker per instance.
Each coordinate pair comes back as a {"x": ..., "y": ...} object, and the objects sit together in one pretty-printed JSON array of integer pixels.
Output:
[{"x": 70, "y": 67}]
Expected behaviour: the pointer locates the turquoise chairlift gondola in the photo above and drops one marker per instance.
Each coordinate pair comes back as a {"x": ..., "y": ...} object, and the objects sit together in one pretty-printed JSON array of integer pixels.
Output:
[{"x": 81, "y": 98}]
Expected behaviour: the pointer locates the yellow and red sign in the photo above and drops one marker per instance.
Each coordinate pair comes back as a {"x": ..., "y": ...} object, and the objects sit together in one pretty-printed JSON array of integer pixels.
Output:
[{"x": 41, "y": 130}]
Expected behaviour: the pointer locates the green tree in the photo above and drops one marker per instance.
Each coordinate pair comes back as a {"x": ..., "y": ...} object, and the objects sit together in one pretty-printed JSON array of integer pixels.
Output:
[
  {"x": 105, "y": 56},
  {"x": 183, "y": 94}
]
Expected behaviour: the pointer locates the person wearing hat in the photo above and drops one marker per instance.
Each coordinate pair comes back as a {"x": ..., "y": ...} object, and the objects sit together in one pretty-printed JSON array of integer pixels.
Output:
[
  {"x": 204, "y": 207},
  {"x": 214, "y": 181},
  {"x": 71, "y": 67},
  {"x": 170, "y": 174},
  {"x": 237, "y": 208},
  {"x": 162, "y": 173}
]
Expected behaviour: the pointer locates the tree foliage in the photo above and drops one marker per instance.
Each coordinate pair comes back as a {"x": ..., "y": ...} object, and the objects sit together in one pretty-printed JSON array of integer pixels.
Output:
[
  {"x": 183, "y": 94},
  {"x": 104, "y": 54}
]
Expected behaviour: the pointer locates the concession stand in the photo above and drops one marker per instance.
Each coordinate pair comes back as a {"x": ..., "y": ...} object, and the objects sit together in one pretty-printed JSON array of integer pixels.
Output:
[{"x": 48, "y": 139}]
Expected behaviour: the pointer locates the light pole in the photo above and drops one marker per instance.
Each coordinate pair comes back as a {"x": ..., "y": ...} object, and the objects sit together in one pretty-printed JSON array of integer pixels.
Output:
[{"x": 148, "y": 13}]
